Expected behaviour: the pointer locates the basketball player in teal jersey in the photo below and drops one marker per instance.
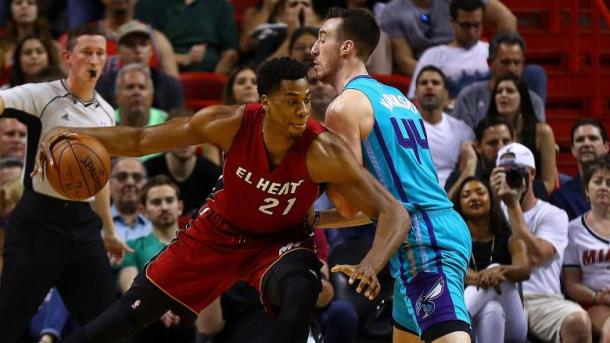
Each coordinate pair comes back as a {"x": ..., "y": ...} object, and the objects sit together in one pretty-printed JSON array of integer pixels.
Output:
[{"x": 386, "y": 133}]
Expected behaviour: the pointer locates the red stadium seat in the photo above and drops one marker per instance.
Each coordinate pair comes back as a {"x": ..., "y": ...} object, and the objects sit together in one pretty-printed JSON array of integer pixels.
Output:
[
  {"x": 202, "y": 89},
  {"x": 397, "y": 81}
]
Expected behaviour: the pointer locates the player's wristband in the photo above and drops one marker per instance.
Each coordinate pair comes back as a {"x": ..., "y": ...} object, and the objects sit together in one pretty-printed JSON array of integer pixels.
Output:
[{"x": 316, "y": 220}]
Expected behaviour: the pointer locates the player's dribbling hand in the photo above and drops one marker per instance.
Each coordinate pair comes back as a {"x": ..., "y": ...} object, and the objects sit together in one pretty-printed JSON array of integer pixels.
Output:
[
  {"x": 115, "y": 247},
  {"x": 363, "y": 272},
  {"x": 44, "y": 150}
]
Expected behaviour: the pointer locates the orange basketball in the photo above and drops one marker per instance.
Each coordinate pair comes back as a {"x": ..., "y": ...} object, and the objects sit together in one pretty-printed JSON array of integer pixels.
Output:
[{"x": 82, "y": 167}]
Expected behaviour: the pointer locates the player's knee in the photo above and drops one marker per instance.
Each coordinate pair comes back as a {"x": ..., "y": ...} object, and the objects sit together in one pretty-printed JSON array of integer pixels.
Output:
[{"x": 301, "y": 286}]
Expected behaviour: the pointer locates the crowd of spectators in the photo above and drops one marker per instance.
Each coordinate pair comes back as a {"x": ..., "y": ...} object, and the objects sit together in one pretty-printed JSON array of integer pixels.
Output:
[{"x": 540, "y": 267}]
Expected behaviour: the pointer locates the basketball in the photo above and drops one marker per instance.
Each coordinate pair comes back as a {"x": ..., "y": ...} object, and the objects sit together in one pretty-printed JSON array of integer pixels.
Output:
[{"x": 82, "y": 167}]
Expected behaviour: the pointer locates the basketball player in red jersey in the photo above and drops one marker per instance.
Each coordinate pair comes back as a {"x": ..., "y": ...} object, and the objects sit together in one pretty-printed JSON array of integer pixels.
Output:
[{"x": 252, "y": 229}]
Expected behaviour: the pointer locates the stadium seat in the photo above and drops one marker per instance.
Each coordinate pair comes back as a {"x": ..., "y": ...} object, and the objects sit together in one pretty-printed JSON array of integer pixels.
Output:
[
  {"x": 397, "y": 81},
  {"x": 202, "y": 89}
]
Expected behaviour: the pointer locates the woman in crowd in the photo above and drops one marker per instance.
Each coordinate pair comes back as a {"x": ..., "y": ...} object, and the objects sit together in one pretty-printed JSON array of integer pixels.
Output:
[
  {"x": 34, "y": 60},
  {"x": 497, "y": 264},
  {"x": 511, "y": 99},
  {"x": 25, "y": 19},
  {"x": 241, "y": 87},
  {"x": 587, "y": 257}
]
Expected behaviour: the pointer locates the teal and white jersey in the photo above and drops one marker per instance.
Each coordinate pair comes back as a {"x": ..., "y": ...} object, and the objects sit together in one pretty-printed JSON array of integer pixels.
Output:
[{"x": 396, "y": 151}]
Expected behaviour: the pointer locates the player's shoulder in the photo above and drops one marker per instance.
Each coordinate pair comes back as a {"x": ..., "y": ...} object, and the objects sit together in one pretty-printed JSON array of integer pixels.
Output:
[
  {"x": 349, "y": 103},
  {"x": 327, "y": 145}
]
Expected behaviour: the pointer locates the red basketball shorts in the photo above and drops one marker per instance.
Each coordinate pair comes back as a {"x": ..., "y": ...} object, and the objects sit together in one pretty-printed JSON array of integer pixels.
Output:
[{"x": 210, "y": 255}]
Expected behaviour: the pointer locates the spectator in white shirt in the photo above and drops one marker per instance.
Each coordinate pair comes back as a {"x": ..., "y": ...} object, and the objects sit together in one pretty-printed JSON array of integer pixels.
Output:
[
  {"x": 445, "y": 134},
  {"x": 463, "y": 60},
  {"x": 544, "y": 229}
]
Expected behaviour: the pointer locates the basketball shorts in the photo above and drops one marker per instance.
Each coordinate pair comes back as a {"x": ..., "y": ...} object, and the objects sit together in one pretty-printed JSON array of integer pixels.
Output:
[
  {"x": 210, "y": 255},
  {"x": 429, "y": 271}
]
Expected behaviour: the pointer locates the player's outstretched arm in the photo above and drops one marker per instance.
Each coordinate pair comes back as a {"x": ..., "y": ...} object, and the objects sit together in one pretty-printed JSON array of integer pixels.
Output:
[
  {"x": 330, "y": 161},
  {"x": 215, "y": 124}
]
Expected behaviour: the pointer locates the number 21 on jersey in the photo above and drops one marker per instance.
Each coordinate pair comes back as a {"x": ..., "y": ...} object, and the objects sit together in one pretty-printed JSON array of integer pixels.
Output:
[{"x": 269, "y": 206}]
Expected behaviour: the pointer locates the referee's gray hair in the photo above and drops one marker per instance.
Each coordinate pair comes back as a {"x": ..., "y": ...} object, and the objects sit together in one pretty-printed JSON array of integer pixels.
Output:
[{"x": 133, "y": 67}]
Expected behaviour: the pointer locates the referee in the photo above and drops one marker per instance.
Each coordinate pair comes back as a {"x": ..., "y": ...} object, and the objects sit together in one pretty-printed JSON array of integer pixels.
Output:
[{"x": 51, "y": 241}]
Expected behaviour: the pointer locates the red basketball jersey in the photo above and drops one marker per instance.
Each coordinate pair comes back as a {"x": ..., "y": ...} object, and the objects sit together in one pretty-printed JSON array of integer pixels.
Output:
[{"x": 256, "y": 199}]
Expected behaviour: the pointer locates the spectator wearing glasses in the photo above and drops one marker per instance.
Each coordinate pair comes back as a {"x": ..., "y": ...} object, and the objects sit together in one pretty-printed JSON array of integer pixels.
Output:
[
  {"x": 464, "y": 59},
  {"x": 127, "y": 177},
  {"x": 416, "y": 25}
]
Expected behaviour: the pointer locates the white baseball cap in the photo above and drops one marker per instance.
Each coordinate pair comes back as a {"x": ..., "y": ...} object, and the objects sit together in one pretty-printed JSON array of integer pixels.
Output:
[{"x": 522, "y": 155}]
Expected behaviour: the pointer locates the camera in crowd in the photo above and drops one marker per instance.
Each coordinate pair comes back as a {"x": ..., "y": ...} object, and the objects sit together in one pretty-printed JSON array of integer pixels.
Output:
[{"x": 516, "y": 175}]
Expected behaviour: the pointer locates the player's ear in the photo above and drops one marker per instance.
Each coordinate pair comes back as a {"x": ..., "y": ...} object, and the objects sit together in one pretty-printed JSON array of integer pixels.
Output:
[
  {"x": 347, "y": 47},
  {"x": 265, "y": 101}
]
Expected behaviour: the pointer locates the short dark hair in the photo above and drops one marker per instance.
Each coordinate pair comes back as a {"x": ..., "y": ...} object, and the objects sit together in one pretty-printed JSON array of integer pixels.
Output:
[
  {"x": 464, "y": 5},
  {"x": 589, "y": 121},
  {"x": 358, "y": 25},
  {"x": 488, "y": 122},
  {"x": 87, "y": 29},
  {"x": 508, "y": 38},
  {"x": 159, "y": 180},
  {"x": 301, "y": 31},
  {"x": 600, "y": 163},
  {"x": 274, "y": 71},
  {"x": 433, "y": 69}
]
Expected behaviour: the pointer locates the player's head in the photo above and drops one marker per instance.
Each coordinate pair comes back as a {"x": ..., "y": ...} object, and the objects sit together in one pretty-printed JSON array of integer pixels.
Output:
[
  {"x": 285, "y": 94},
  {"x": 492, "y": 134},
  {"x": 589, "y": 139},
  {"x": 345, "y": 34},
  {"x": 85, "y": 54},
  {"x": 596, "y": 181},
  {"x": 160, "y": 201}
]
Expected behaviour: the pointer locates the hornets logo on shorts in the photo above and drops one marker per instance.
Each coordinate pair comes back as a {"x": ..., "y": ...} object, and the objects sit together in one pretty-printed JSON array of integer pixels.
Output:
[{"x": 425, "y": 303}]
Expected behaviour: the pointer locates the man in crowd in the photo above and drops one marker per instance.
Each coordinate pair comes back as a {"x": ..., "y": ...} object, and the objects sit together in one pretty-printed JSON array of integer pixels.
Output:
[
  {"x": 135, "y": 46},
  {"x": 12, "y": 138},
  {"x": 445, "y": 133},
  {"x": 126, "y": 179},
  {"x": 478, "y": 158},
  {"x": 588, "y": 140},
  {"x": 463, "y": 60},
  {"x": 161, "y": 204},
  {"x": 544, "y": 230},
  {"x": 134, "y": 94}
]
